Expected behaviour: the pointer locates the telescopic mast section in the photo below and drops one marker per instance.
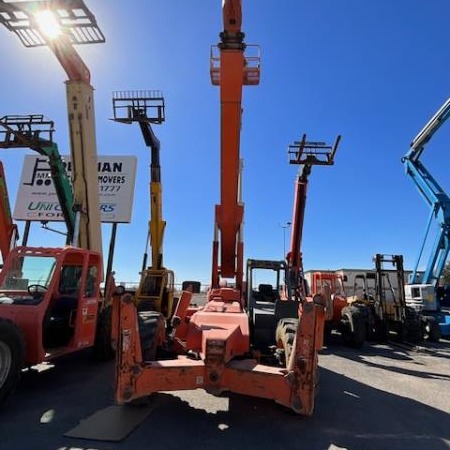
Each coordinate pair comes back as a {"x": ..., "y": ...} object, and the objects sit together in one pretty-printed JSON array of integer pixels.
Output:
[
  {"x": 230, "y": 69},
  {"x": 434, "y": 195},
  {"x": 306, "y": 154},
  {"x": 35, "y": 132},
  {"x": 75, "y": 25},
  {"x": 147, "y": 108}
]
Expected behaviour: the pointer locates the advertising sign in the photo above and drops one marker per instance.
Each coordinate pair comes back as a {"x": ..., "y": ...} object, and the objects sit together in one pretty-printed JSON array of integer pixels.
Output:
[{"x": 37, "y": 200}]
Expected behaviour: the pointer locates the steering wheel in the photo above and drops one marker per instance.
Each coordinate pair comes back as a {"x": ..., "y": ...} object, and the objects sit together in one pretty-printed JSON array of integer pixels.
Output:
[{"x": 36, "y": 289}]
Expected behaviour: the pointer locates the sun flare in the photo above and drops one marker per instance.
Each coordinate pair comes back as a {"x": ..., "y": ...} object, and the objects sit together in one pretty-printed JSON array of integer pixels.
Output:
[{"x": 48, "y": 24}]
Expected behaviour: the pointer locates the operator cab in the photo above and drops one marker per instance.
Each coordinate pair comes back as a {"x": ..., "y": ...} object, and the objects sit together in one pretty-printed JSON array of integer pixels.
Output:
[
  {"x": 75, "y": 287},
  {"x": 155, "y": 291},
  {"x": 265, "y": 305}
]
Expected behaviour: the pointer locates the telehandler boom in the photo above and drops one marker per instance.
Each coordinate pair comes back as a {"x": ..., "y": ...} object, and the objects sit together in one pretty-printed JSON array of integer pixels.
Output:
[
  {"x": 156, "y": 287},
  {"x": 306, "y": 154},
  {"x": 349, "y": 319},
  {"x": 35, "y": 132}
]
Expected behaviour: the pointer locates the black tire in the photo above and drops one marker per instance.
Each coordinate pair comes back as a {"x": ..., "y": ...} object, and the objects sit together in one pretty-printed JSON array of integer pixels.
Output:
[
  {"x": 151, "y": 326},
  {"x": 414, "y": 331},
  {"x": 12, "y": 357},
  {"x": 353, "y": 326},
  {"x": 285, "y": 336},
  {"x": 103, "y": 349},
  {"x": 431, "y": 331}
]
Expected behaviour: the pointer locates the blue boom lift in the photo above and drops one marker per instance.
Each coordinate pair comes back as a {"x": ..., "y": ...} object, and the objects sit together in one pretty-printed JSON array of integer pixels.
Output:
[{"x": 421, "y": 292}]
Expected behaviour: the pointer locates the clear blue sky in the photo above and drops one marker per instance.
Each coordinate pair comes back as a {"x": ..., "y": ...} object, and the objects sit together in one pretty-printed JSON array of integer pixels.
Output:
[{"x": 373, "y": 71}]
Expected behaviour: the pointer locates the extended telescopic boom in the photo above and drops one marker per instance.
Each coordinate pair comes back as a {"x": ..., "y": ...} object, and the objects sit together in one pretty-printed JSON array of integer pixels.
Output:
[{"x": 231, "y": 69}]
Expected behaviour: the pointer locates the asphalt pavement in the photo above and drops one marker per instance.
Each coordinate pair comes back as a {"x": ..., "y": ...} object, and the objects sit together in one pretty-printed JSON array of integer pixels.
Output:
[{"x": 379, "y": 397}]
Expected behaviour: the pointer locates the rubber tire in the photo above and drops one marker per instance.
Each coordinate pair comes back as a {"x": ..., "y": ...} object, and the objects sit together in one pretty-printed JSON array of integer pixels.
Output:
[
  {"x": 285, "y": 336},
  {"x": 103, "y": 349},
  {"x": 151, "y": 324},
  {"x": 11, "y": 335},
  {"x": 431, "y": 331},
  {"x": 354, "y": 338},
  {"x": 414, "y": 331}
]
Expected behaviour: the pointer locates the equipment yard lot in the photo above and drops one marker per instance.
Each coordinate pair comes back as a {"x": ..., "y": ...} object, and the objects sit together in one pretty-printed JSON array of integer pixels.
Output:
[{"x": 377, "y": 397}]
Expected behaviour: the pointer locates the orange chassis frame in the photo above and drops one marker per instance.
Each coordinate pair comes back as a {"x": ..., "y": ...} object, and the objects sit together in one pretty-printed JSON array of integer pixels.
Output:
[{"x": 213, "y": 353}]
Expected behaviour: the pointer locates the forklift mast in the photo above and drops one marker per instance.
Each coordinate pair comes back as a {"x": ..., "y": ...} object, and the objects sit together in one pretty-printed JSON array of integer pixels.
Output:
[
  {"x": 390, "y": 309},
  {"x": 230, "y": 69}
]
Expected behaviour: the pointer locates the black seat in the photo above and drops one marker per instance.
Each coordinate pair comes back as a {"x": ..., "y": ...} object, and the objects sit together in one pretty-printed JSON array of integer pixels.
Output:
[{"x": 267, "y": 293}]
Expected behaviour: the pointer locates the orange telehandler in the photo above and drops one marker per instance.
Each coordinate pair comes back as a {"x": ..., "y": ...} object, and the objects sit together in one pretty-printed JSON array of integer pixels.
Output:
[
  {"x": 213, "y": 346},
  {"x": 50, "y": 298},
  {"x": 349, "y": 319},
  {"x": 306, "y": 154}
]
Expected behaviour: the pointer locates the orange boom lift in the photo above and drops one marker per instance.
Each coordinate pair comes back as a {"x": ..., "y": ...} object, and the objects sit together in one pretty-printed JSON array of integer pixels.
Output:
[{"x": 211, "y": 347}]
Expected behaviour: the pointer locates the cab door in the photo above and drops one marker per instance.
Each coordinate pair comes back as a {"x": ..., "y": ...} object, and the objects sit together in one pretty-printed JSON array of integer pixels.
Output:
[{"x": 89, "y": 303}]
